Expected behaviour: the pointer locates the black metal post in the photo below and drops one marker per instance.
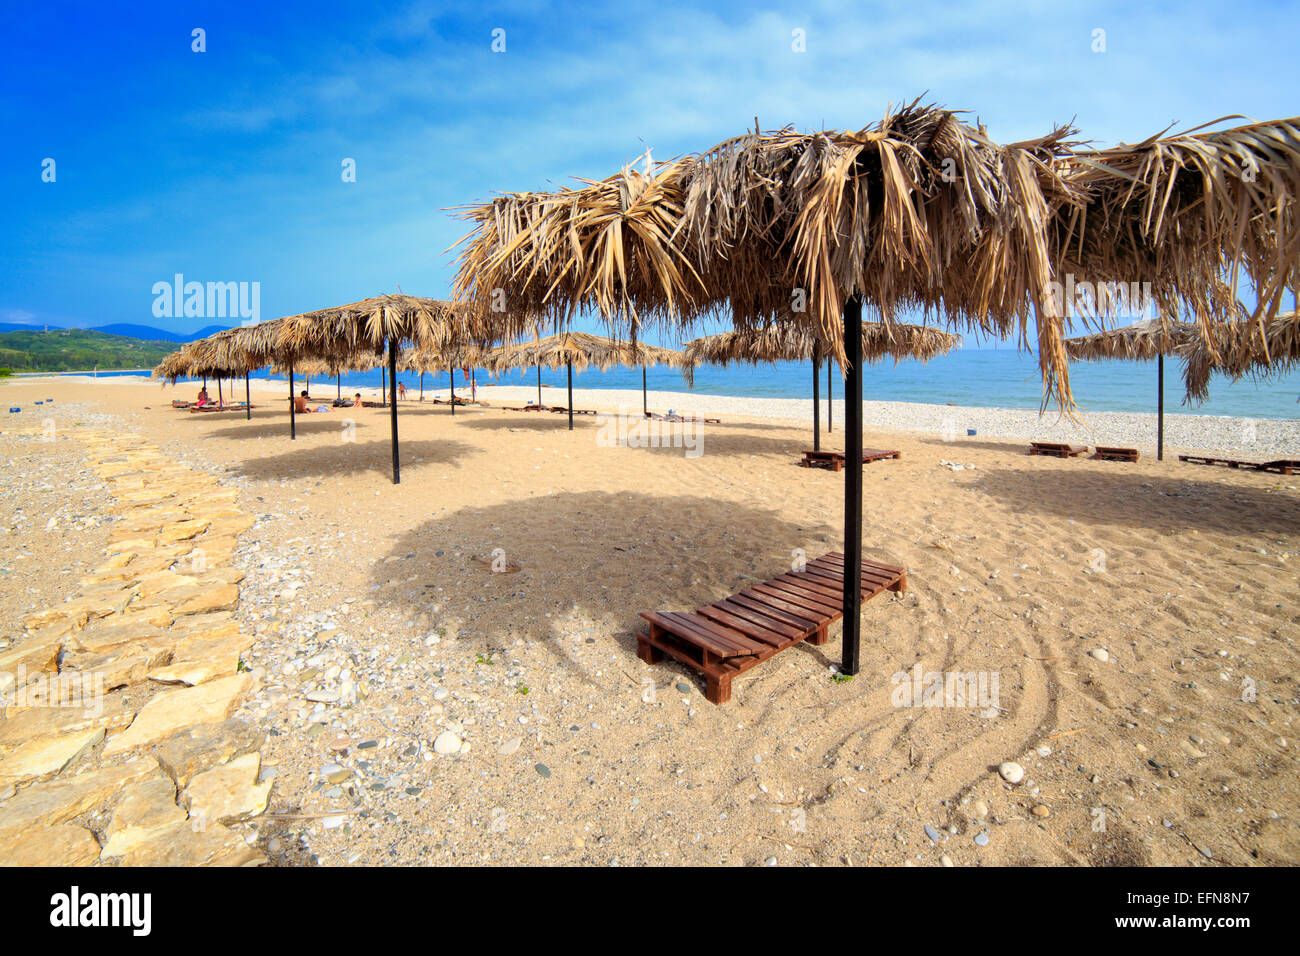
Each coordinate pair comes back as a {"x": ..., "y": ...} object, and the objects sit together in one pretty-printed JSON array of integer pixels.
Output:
[
  {"x": 539, "y": 386},
  {"x": 338, "y": 386},
  {"x": 220, "y": 400},
  {"x": 392, "y": 374},
  {"x": 817, "y": 401},
  {"x": 293, "y": 405},
  {"x": 852, "y": 485},
  {"x": 570, "y": 367},
  {"x": 453, "y": 390},
  {"x": 1160, "y": 408},
  {"x": 248, "y": 399},
  {"x": 383, "y": 383},
  {"x": 421, "y": 386},
  {"x": 645, "y": 400},
  {"x": 830, "y": 399}
]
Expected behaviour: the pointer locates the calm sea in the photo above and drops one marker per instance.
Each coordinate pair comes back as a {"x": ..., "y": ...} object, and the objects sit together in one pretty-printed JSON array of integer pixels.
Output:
[{"x": 997, "y": 378}]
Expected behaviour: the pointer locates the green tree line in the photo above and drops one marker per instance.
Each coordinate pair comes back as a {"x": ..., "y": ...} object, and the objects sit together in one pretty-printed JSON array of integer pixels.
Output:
[{"x": 71, "y": 350}]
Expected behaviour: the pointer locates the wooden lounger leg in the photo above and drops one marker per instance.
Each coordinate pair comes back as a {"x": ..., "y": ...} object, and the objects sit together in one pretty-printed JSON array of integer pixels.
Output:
[
  {"x": 647, "y": 651},
  {"x": 901, "y": 584},
  {"x": 717, "y": 687},
  {"x": 818, "y": 636}
]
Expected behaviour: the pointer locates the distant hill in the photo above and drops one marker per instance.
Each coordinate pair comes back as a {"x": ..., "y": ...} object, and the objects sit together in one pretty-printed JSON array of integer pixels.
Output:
[
  {"x": 70, "y": 350},
  {"x": 146, "y": 332}
]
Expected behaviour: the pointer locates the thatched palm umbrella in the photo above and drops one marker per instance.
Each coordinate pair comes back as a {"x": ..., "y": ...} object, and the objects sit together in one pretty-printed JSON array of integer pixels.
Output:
[
  {"x": 919, "y": 211},
  {"x": 219, "y": 354},
  {"x": 1140, "y": 342},
  {"x": 365, "y": 329},
  {"x": 793, "y": 343},
  {"x": 450, "y": 357},
  {"x": 581, "y": 349},
  {"x": 1244, "y": 349}
]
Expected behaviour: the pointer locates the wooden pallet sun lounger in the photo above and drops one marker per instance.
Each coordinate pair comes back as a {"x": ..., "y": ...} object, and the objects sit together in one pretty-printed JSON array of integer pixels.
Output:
[
  {"x": 834, "y": 460},
  {"x": 1282, "y": 466},
  {"x": 576, "y": 411},
  {"x": 1056, "y": 449},
  {"x": 228, "y": 407},
  {"x": 1108, "y": 453},
  {"x": 527, "y": 408},
  {"x": 730, "y": 636},
  {"x": 683, "y": 418}
]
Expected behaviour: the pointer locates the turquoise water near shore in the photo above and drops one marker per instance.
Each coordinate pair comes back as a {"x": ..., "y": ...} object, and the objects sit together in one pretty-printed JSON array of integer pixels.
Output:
[{"x": 987, "y": 378}]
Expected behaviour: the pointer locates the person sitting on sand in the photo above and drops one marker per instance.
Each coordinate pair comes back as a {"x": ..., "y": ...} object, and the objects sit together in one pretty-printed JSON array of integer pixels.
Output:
[
  {"x": 300, "y": 404},
  {"x": 356, "y": 401},
  {"x": 203, "y": 397}
]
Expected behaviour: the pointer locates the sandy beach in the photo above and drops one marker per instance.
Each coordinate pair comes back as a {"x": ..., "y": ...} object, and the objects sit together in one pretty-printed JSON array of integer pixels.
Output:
[{"x": 1138, "y": 621}]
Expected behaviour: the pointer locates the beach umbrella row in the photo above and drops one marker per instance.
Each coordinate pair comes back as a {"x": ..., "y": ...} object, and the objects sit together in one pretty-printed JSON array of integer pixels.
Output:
[
  {"x": 340, "y": 337},
  {"x": 797, "y": 343},
  {"x": 582, "y": 350}
]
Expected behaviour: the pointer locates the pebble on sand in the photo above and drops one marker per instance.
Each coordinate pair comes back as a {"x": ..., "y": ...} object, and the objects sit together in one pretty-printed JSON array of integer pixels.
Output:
[
  {"x": 447, "y": 743},
  {"x": 1011, "y": 772}
]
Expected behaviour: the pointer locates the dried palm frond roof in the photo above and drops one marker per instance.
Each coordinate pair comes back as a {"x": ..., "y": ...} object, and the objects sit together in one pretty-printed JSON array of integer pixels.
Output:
[
  {"x": 1141, "y": 342},
  {"x": 344, "y": 333},
  {"x": 173, "y": 366},
  {"x": 339, "y": 339},
  {"x": 786, "y": 342},
  {"x": 1189, "y": 213},
  {"x": 919, "y": 210},
  {"x": 1243, "y": 349},
  {"x": 237, "y": 351},
  {"x": 424, "y": 359},
  {"x": 580, "y": 349}
]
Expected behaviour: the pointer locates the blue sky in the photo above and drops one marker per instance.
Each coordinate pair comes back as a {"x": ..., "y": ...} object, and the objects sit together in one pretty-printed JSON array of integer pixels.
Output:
[{"x": 226, "y": 165}]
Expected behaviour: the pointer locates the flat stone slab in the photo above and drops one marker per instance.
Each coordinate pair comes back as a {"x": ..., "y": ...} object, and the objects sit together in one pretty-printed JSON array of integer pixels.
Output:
[
  {"x": 173, "y": 710},
  {"x": 228, "y": 792},
  {"x": 221, "y": 598},
  {"x": 197, "y": 661},
  {"x": 21, "y": 725},
  {"x": 196, "y": 749},
  {"x": 147, "y": 808},
  {"x": 64, "y": 844},
  {"x": 46, "y": 756},
  {"x": 57, "y": 801},
  {"x": 185, "y": 844}
]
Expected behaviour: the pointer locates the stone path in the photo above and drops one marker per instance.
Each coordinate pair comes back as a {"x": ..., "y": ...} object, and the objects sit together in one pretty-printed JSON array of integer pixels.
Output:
[{"x": 117, "y": 743}]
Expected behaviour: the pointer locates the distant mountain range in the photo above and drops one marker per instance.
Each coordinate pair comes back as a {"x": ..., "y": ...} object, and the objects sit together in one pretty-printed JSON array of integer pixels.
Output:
[{"x": 145, "y": 332}]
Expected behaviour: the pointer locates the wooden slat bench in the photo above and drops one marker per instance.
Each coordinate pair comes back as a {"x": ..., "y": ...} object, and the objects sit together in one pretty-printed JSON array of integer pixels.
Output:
[
  {"x": 1056, "y": 449},
  {"x": 1108, "y": 453},
  {"x": 683, "y": 418},
  {"x": 1282, "y": 466},
  {"x": 834, "y": 460},
  {"x": 228, "y": 407},
  {"x": 1207, "y": 460},
  {"x": 730, "y": 636}
]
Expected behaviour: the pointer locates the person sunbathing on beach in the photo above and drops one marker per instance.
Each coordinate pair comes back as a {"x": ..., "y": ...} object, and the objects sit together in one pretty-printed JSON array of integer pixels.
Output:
[
  {"x": 356, "y": 401},
  {"x": 203, "y": 397},
  {"x": 300, "y": 404}
]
